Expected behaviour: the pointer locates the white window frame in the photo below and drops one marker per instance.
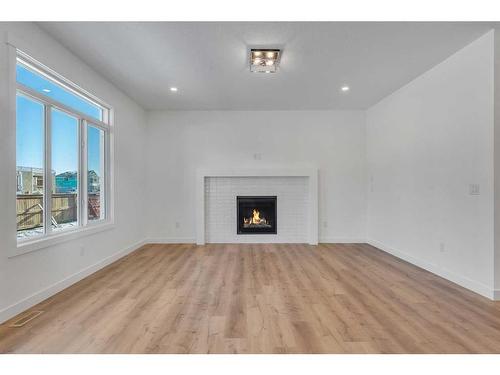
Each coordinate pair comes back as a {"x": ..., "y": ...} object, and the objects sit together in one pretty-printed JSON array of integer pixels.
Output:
[{"x": 84, "y": 226}]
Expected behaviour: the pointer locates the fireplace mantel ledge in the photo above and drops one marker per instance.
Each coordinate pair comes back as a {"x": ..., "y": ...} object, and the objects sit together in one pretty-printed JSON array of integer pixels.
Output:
[{"x": 310, "y": 172}]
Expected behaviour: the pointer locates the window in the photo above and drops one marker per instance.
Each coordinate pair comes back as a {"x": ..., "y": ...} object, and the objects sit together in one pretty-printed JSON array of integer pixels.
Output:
[
  {"x": 30, "y": 130},
  {"x": 62, "y": 154},
  {"x": 38, "y": 182},
  {"x": 65, "y": 153},
  {"x": 19, "y": 182}
]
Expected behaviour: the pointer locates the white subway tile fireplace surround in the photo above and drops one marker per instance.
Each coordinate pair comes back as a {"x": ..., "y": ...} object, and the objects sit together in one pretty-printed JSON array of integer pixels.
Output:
[{"x": 297, "y": 204}]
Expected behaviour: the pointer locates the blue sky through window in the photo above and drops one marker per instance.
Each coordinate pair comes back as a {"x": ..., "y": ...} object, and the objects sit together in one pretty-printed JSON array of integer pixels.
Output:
[
  {"x": 30, "y": 129},
  {"x": 94, "y": 150},
  {"x": 64, "y": 142},
  {"x": 30, "y": 133},
  {"x": 52, "y": 90}
]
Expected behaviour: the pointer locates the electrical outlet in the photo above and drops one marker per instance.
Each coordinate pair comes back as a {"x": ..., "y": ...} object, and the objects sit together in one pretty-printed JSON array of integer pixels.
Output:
[
  {"x": 474, "y": 189},
  {"x": 257, "y": 156},
  {"x": 177, "y": 224}
]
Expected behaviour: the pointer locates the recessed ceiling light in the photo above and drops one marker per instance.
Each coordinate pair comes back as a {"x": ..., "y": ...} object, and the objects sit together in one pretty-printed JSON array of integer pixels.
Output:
[
  {"x": 46, "y": 90},
  {"x": 345, "y": 88},
  {"x": 264, "y": 60},
  {"x": 173, "y": 89}
]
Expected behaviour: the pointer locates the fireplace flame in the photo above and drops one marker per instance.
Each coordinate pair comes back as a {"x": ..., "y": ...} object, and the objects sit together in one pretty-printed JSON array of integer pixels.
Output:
[{"x": 255, "y": 219}]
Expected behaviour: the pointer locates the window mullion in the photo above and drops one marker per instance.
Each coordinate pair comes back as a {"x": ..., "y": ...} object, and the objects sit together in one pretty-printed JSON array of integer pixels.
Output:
[
  {"x": 48, "y": 171},
  {"x": 84, "y": 172},
  {"x": 104, "y": 179},
  {"x": 79, "y": 215}
]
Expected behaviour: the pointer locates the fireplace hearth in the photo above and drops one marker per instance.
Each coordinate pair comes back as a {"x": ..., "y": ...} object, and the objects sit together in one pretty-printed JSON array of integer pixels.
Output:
[{"x": 256, "y": 215}]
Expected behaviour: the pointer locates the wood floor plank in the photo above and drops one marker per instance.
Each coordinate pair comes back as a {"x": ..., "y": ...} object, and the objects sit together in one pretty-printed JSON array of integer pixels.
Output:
[{"x": 269, "y": 298}]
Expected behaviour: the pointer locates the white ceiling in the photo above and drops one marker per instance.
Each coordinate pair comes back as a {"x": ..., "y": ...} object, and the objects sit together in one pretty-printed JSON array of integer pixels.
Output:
[{"x": 208, "y": 62}]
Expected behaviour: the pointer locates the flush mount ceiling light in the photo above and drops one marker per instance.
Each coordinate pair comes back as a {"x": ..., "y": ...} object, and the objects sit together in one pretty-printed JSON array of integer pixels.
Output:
[
  {"x": 264, "y": 60},
  {"x": 345, "y": 88},
  {"x": 173, "y": 89}
]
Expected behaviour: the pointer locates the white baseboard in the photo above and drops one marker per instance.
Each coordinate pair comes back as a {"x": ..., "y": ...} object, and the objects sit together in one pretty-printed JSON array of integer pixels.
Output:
[
  {"x": 341, "y": 240},
  {"x": 177, "y": 240},
  {"x": 26, "y": 303},
  {"x": 465, "y": 282},
  {"x": 496, "y": 294},
  {"x": 180, "y": 240}
]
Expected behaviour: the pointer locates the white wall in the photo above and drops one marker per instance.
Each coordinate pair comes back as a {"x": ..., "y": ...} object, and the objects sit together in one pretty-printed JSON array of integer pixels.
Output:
[
  {"x": 497, "y": 162},
  {"x": 179, "y": 142},
  {"x": 29, "y": 278},
  {"x": 425, "y": 144}
]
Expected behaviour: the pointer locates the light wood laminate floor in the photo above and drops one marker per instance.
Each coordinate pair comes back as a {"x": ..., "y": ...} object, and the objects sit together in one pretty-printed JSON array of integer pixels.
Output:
[{"x": 279, "y": 298}]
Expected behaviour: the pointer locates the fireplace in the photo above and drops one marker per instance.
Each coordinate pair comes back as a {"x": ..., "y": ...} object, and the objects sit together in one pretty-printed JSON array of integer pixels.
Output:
[{"x": 256, "y": 215}]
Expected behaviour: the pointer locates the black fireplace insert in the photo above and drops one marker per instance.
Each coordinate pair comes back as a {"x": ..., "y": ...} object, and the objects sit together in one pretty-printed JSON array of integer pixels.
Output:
[{"x": 256, "y": 215}]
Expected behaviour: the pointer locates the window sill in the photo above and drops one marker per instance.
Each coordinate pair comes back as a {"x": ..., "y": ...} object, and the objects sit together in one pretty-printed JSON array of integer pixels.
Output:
[{"x": 54, "y": 239}]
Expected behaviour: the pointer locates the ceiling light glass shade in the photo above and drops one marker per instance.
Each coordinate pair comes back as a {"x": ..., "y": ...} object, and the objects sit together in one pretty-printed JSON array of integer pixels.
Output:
[{"x": 264, "y": 60}]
